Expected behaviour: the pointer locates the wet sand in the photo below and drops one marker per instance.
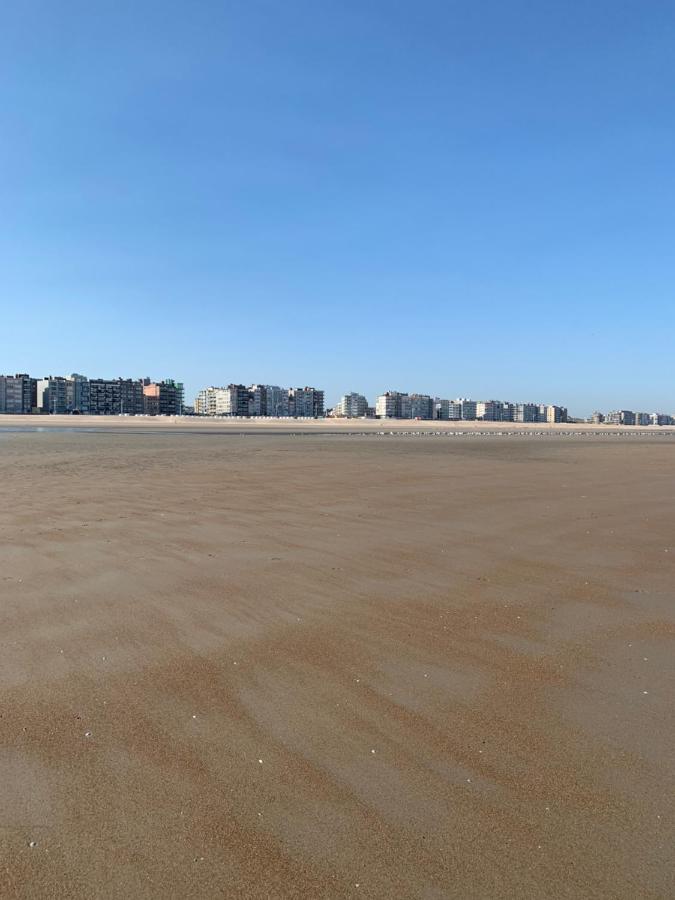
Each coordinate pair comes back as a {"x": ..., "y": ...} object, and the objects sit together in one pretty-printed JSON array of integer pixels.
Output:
[{"x": 326, "y": 667}]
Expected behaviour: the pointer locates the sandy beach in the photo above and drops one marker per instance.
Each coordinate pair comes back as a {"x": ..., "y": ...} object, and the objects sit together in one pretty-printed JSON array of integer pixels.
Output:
[
  {"x": 258, "y": 665},
  {"x": 266, "y": 425}
]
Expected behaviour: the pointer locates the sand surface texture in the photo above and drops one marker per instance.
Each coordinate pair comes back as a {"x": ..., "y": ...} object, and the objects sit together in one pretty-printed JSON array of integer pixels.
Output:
[{"x": 324, "y": 667}]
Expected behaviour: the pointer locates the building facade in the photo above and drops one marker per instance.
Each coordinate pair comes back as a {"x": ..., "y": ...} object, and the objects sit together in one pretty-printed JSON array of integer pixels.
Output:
[
  {"x": 351, "y": 406},
  {"x": 163, "y": 398},
  {"x": 52, "y": 395},
  {"x": 116, "y": 397},
  {"x": 18, "y": 394},
  {"x": 306, "y": 403},
  {"x": 421, "y": 406},
  {"x": 388, "y": 405},
  {"x": 555, "y": 414},
  {"x": 526, "y": 412}
]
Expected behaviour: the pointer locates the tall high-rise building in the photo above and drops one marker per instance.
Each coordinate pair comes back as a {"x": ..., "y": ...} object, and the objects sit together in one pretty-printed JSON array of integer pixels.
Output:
[
  {"x": 52, "y": 395},
  {"x": 455, "y": 410},
  {"x": 77, "y": 394},
  {"x": 441, "y": 409},
  {"x": 489, "y": 410},
  {"x": 555, "y": 414},
  {"x": 233, "y": 400},
  {"x": 351, "y": 406},
  {"x": 278, "y": 401},
  {"x": 306, "y": 402},
  {"x": 269, "y": 400},
  {"x": 469, "y": 408},
  {"x": 621, "y": 417},
  {"x": 388, "y": 405},
  {"x": 526, "y": 412},
  {"x": 421, "y": 406},
  {"x": 18, "y": 394},
  {"x": 163, "y": 398}
]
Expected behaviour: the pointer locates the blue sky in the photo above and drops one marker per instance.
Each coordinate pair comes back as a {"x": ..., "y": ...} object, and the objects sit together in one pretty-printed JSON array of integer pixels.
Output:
[{"x": 464, "y": 198}]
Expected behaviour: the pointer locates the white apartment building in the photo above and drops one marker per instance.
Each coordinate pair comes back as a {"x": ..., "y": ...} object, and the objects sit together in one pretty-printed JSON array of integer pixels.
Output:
[
  {"x": 388, "y": 406},
  {"x": 454, "y": 410},
  {"x": 214, "y": 401},
  {"x": 351, "y": 406}
]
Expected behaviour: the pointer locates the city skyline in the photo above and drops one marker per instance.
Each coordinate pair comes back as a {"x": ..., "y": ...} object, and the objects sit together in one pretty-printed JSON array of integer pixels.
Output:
[{"x": 79, "y": 394}]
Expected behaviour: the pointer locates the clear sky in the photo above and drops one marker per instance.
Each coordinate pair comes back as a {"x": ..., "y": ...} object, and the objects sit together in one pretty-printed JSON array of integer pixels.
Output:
[{"x": 468, "y": 198}]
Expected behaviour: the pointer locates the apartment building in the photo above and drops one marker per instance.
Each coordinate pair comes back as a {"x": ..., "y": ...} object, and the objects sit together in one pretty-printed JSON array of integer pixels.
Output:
[
  {"x": 489, "y": 410},
  {"x": 351, "y": 406},
  {"x": 205, "y": 401},
  {"x": 508, "y": 412},
  {"x": 620, "y": 417},
  {"x": 114, "y": 397},
  {"x": 555, "y": 414},
  {"x": 307, "y": 403},
  {"x": 77, "y": 394},
  {"x": 278, "y": 401},
  {"x": 233, "y": 400},
  {"x": 388, "y": 405},
  {"x": 269, "y": 400},
  {"x": 52, "y": 395},
  {"x": 18, "y": 394},
  {"x": 526, "y": 412},
  {"x": 468, "y": 408},
  {"x": 258, "y": 400},
  {"x": 395, "y": 405},
  {"x": 421, "y": 406},
  {"x": 163, "y": 398}
]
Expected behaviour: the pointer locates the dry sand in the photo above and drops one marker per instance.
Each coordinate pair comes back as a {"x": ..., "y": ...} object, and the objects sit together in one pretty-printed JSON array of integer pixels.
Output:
[{"x": 373, "y": 667}]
